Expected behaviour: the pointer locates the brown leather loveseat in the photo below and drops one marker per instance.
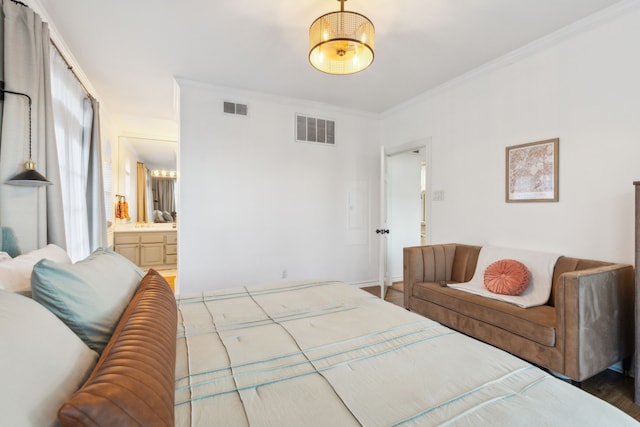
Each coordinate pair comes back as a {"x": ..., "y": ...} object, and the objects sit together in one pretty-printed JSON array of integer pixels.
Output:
[
  {"x": 585, "y": 327},
  {"x": 133, "y": 383}
]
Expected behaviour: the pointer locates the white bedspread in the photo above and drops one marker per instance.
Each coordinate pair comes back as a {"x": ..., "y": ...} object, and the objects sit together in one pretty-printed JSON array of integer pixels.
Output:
[
  {"x": 327, "y": 354},
  {"x": 539, "y": 264}
]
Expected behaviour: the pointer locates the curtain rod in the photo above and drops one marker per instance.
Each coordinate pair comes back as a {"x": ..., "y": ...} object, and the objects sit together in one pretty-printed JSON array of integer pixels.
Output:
[
  {"x": 70, "y": 68},
  {"x": 64, "y": 59}
]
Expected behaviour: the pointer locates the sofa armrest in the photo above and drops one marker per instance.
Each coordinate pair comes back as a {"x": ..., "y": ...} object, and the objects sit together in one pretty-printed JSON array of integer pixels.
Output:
[
  {"x": 595, "y": 315},
  {"x": 133, "y": 383},
  {"x": 436, "y": 263}
]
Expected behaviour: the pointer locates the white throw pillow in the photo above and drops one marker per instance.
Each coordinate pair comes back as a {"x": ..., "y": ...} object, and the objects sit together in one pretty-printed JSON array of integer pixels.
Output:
[
  {"x": 15, "y": 274},
  {"x": 42, "y": 362},
  {"x": 157, "y": 216},
  {"x": 5, "y": 257}
]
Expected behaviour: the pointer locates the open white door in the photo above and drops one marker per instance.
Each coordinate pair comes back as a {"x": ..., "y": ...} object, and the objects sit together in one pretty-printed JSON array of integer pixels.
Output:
[
  {"x": 391, "y": 254},
  {"x": 383, "y": 230}
]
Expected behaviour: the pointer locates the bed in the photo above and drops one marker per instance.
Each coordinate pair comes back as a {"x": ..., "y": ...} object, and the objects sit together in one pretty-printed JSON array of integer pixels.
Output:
[
  {"x": 287, "y": 354},
  {"x": 325, "y": 353}
]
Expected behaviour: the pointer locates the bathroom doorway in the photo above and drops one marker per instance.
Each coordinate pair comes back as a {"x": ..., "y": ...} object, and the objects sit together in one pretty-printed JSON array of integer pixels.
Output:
[{"x": 404, "y": 211}]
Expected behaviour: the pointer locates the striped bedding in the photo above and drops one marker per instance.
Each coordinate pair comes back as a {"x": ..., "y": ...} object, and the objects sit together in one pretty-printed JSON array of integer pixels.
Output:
[{"x": 329, "y": 354}]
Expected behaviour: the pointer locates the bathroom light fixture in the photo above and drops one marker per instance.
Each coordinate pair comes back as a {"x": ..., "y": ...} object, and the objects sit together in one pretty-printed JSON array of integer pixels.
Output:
[
  {"x": 28, "y": 177},
  {"x": 341, "y": 42},
  {"x": 163, "y": 173}
]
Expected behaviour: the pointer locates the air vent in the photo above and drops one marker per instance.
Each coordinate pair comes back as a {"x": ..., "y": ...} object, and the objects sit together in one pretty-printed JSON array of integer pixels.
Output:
[
  {"x": 233, "y": 108},
  {"x": 313, "y": 129}
]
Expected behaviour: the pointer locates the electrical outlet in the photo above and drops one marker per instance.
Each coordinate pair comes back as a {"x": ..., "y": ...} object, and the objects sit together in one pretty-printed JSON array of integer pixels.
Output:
[
  {"x": 438, "y": 196},
  {"x": 284, "y": 273}
]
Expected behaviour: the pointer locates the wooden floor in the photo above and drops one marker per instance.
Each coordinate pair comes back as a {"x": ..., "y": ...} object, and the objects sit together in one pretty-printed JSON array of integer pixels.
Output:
[
  {"x": 609, "y": 385},
  {"x": 170, "y": 276}
]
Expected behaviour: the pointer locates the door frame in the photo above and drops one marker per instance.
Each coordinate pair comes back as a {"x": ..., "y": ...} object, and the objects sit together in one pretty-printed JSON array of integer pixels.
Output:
[{"x": 384, "y": 270}]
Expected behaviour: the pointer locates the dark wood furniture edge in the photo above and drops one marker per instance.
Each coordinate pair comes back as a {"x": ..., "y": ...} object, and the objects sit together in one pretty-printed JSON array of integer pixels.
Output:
[{"x": 637, "y": 294}]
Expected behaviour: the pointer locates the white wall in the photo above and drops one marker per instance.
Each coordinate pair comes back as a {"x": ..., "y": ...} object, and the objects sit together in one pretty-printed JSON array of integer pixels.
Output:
[
  {"x": 127, "y": 174},
  {"x": 109, "y": 156},
  {"x": 581, "y": 85},
  {"x": 254, "y": 203}
]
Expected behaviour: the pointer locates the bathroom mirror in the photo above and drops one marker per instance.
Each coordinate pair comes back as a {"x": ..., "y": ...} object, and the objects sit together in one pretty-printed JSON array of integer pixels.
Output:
[{"x": 147, "y": 178}]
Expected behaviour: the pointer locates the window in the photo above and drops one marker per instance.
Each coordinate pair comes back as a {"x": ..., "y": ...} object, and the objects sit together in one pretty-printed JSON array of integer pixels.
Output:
[{"x": 73, "y": 115}]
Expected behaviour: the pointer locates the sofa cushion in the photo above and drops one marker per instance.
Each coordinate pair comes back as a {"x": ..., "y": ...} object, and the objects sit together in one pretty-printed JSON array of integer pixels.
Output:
[
  {"x": 133, "y": 383},
  {"x": 464, "y": 262},
  {"x": 506, "y": 277},
  {"x": 535, "y": 323}
]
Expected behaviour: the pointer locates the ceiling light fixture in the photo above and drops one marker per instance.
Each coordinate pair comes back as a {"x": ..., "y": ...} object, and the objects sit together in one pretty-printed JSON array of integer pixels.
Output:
[
  {"x": 29, "y": 177},
  {"x": 341, "y": 42}
]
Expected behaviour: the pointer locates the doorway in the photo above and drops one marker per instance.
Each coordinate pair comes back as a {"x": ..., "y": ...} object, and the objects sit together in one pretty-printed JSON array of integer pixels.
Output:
[{"x": 405, "y": 187}]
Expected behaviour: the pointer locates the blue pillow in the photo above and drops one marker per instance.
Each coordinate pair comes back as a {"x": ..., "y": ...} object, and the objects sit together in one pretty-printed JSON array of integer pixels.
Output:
[{"x": 88, "y": 296}]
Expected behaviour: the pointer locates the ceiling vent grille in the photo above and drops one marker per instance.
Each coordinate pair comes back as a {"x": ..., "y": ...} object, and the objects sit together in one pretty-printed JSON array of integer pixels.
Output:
[
  {"x": 313, "y": 129},
  {"x": 233, "y": 108}
]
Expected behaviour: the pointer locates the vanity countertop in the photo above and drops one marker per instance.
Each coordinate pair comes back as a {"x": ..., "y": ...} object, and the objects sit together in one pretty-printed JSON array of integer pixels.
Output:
[{"x": 145, "y": 228}]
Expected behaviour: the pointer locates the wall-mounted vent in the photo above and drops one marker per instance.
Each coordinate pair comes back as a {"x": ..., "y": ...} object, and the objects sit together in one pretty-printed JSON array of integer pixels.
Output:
[
  {"x": 313, "y": 129},
  {"x": 233, "y": 108}
]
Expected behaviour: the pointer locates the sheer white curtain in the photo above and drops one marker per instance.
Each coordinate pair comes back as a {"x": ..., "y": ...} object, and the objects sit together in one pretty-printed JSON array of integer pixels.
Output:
[{"x": 73, "y": 116}]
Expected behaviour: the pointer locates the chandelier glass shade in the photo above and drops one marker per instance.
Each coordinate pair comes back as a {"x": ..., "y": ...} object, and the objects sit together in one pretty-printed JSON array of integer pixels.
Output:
[{"x": 341, "y": 42}]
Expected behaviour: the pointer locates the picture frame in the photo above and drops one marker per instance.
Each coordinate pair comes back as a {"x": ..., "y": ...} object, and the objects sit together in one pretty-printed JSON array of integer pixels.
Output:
[{"x": 532, "y": 172}]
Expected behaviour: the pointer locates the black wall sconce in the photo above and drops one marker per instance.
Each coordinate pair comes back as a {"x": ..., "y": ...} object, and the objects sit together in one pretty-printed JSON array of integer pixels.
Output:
[{"x": 28, "y": 177}]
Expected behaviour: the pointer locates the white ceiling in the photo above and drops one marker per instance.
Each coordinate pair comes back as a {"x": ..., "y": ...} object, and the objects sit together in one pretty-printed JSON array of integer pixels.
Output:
[
  {"x": 131, "y": 50},
  {"x": 155, "y": 154}
]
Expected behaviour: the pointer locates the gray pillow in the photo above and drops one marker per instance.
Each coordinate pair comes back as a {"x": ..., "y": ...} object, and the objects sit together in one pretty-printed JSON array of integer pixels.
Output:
[
  {"x": 157, "y": 216},
  {"x": 167, "y": 216},
  {"x": 90, "y": 295}
]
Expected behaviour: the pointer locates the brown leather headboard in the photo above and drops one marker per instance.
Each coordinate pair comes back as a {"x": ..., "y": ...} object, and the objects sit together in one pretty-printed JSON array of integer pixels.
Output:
[{"x": 133, "y": 383}]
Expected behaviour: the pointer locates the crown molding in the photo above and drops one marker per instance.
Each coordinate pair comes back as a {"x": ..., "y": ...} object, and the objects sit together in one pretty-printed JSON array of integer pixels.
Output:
[
  {"x": 242, "y": 94},
  {"x": 572, "y": 30}
]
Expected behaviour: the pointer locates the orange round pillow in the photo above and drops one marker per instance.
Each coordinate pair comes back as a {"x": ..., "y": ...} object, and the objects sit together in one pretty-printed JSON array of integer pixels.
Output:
[{"x": 506, "y": 277}]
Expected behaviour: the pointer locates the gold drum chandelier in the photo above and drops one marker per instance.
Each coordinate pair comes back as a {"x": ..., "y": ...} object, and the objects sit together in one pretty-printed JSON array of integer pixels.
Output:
[{"x": 341, "y": 42}]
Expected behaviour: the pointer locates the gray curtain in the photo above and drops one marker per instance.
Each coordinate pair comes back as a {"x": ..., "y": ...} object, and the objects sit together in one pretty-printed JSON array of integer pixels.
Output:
[
  {"x": 164, "y": 192},
  {"x": 149, "y": 195},
  {"x": 96, "y": 213},
  {"x": 34, "y": 213}
]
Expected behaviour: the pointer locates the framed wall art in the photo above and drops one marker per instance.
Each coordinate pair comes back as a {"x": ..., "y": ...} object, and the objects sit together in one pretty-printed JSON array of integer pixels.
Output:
[{"x": 532, "y": 172}]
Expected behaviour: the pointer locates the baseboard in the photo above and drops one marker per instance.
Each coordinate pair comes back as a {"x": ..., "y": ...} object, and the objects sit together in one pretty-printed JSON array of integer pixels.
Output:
[{"x": 365, "y": 283}]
